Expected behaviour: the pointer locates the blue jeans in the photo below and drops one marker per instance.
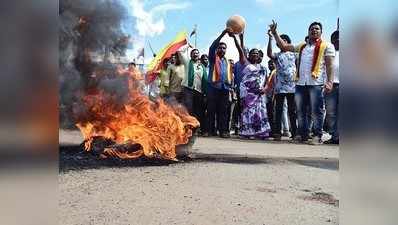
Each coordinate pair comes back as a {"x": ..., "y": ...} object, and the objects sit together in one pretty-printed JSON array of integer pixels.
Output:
[
  {"x": 332, "y": 112},
  {"x": 309, "y": 96}
]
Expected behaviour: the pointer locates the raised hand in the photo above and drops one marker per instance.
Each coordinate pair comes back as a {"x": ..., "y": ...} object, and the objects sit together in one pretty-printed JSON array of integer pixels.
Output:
[
  {"x": 273, "y": 27},
  {"x": 228, "y": 30},
  {"x": 269, "y": 33},
  {"x": 232, "y": 35}
]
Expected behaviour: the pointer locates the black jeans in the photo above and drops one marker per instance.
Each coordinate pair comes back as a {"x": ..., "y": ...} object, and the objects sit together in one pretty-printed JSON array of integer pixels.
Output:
[
  {"x": 217, "y": 108},
  {"x": 270, "y": 113},
  {"x": 236, "y": 113},
  {"x": 291, "y": 109},
  {"x": 176, "y": 98},
  {"x": 199, "y": 110},
  {"x": 188, "y": 99}
]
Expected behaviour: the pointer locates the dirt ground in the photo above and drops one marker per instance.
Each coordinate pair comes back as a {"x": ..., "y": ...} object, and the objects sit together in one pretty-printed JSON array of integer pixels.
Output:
[{"x": 226, "y": 182}]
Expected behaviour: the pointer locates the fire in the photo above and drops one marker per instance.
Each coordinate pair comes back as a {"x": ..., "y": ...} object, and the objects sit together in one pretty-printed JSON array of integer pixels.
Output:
[{"x": 154, "y": 128}]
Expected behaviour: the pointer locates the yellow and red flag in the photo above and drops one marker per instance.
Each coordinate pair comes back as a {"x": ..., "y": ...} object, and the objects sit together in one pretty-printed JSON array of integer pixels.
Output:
[{"x": 155, "y": 65}]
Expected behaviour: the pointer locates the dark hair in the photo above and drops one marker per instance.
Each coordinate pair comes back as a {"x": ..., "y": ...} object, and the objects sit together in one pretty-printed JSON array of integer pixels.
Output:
[
  {"x": 222, "y": 43},
  {"x": 286, "y": 37},
  {"x": 315, "y": 23},
  {"x": 335, "y": 35},
  {"x": 195, "y": 49},
  {"x": 253, "y": 49},
  {"x": 203, "y": 55},
  {"x": 261, "y": 53},
  {"x": 178, "y": 60},
  {"x": 132, "y": 63}
]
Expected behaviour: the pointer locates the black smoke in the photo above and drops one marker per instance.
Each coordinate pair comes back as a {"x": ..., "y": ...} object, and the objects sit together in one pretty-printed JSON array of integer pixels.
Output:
[{"x": 90, "y": 31}]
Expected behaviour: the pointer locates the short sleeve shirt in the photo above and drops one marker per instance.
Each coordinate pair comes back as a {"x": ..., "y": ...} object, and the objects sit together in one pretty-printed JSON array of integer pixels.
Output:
[
  {"x": 285, "y": 72},
  {"x": 305, "y": 66}
]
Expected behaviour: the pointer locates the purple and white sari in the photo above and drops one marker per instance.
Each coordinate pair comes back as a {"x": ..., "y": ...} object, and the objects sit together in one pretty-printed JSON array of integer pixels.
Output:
[{"x": 254, "y": 120}]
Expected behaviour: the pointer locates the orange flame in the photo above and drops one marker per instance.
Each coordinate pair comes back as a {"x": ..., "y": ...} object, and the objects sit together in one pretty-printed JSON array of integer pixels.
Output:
[{"x": 157, "y": 127}]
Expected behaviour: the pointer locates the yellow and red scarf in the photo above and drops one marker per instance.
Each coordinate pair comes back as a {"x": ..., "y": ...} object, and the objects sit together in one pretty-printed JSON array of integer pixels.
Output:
[
  {"x": 320, "y": 47},
  {"x": 216, "y": 76}
]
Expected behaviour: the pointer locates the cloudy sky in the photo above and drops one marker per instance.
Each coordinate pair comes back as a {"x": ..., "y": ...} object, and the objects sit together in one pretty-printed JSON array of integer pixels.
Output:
[{"x": 158, "y": 21}]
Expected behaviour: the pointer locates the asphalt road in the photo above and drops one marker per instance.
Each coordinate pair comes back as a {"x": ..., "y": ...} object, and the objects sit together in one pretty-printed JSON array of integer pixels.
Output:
[{"x": 227, "y": 181}]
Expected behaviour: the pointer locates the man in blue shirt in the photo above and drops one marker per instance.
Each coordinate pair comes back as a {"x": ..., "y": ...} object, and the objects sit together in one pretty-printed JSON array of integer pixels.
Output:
[{"x": 220, "y": 81}]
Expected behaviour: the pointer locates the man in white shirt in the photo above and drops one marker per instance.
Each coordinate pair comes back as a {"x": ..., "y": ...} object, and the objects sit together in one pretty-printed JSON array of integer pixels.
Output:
[
  {"x": 315, "y": 75},
  {"x": 332, "y": 98}
]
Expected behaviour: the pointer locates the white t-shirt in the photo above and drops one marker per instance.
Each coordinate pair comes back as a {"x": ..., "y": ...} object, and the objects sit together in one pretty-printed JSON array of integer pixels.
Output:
[
  {"x": 305, "y": 66},
  {"x": 198, "y": 74},
  {"x": 336, "y": 68}
]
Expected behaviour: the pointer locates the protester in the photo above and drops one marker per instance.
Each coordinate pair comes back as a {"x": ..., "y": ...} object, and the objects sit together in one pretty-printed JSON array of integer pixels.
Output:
[
  {"x": 135, "y": 77},
  {"x": 232, "y": 97},
  {"x": 284, "y": 85},
  {"x": 285, "y": 120},
  {"x": 263, "y": 69},
  {"x": 254, "y": 120},
  {"x": 315, "y": 75},
  {"x": 204, "y": 59},
  {"x": 164, "y": 85},
  {"x": 135, "y": 73},
  {"x": 220, "y": 80},
  {"x": 194, "y": 86},
  {"x": 270, "y": 94},
  {"x": 332, "y": 98},
  {"x": 238, "y": 67},
  {"x": 176, "y": 73}
]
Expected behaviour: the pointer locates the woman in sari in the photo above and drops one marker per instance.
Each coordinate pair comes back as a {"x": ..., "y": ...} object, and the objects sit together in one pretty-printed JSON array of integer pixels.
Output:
[{"x": 254, "y": 120}]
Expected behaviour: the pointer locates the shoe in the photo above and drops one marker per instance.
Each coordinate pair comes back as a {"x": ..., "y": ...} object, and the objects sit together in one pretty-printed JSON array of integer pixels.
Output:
[
  {"x": 286, "y": 134},
  {"x": 213, "y": 135},
  {"x": 277, "y": 137},
  {"x": 316, "y": 141},
  {"x": 205, "y": 134},
  {"x": 225, "y": 135},
  {"x": 331, "y": 142},
  {"x": 297, "y": 138}
]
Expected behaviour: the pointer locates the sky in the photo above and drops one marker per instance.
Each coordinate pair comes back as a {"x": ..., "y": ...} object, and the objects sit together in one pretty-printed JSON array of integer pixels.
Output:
[{"x": 158, "y": 21}]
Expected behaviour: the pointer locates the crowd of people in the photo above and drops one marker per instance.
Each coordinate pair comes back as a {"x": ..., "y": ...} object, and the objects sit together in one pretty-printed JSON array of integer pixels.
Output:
[{"x": 296, "y": 95}]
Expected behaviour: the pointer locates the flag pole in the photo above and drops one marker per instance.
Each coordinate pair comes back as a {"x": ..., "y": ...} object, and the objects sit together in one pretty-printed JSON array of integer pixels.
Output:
[
  {"x": 149, "y": 43},
  {"x": 196, "y": 34}
]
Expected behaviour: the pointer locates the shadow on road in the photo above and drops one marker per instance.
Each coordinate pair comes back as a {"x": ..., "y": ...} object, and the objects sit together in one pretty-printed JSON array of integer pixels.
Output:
[
  {"x": 329, "y": 164},
  {"x": 322, "y": 163},
  {"x": 72, "y": 157}
]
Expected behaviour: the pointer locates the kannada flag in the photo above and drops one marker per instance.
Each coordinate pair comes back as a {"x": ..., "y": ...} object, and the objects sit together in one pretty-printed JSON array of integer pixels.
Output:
[{"x": 155, "y": 65}]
